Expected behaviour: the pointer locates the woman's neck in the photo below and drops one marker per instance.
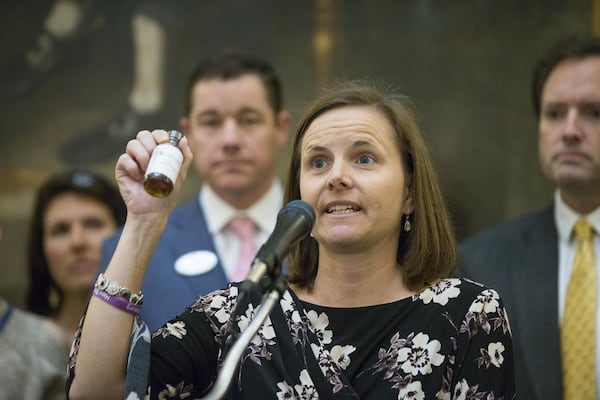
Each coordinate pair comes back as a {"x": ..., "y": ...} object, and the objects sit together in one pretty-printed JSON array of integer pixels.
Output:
[
  {"x": 356, "y": 280},
  {"x": 69, "y": 315}
]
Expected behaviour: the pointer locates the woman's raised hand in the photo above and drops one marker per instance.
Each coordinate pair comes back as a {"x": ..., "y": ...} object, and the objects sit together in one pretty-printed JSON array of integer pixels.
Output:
[{"x": 132, "y": 165}]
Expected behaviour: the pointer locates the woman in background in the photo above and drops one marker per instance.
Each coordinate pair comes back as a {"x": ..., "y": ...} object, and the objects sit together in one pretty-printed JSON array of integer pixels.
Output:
[{"x": 74, "y": 212}]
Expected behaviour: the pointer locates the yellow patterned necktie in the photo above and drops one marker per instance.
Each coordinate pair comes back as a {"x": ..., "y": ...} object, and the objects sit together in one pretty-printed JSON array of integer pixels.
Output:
[{"x": 578, "y": 332}]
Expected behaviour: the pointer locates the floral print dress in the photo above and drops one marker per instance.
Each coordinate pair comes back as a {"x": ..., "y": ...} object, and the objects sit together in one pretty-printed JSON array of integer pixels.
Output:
[{"x": 450, "y": 341}]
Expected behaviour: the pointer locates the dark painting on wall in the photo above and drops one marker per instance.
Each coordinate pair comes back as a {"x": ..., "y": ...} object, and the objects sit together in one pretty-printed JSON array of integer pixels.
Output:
[{"x": 76, "y": 97}]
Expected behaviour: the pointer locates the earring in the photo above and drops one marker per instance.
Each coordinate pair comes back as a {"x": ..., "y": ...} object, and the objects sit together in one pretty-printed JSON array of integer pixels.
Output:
[{"x": 407, "y": 224}]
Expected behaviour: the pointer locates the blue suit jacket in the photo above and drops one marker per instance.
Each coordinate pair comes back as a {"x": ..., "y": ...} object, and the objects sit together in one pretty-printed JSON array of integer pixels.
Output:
[
  {"x": 166, "y": 292},
  {"x": 520, "y": 260}
]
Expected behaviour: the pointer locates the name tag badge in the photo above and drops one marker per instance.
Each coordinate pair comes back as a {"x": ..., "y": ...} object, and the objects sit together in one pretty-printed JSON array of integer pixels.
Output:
[{"x": 196, "y": 263}]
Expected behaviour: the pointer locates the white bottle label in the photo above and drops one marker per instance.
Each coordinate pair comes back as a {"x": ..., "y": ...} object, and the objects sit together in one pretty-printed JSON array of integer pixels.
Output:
[{"x": 166, "y": 159}]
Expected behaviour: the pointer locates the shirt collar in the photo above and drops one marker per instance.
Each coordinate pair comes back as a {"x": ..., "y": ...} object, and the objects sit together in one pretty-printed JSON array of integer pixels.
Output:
[
  {"x": 565, "y": 217},
  {"x": 264, "y": 212}
]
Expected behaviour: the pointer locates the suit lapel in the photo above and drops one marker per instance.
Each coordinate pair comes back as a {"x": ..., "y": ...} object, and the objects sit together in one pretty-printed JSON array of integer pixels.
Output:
[
  {"x": 534, "y": 266},
  {"x": 190, "y": 233}
]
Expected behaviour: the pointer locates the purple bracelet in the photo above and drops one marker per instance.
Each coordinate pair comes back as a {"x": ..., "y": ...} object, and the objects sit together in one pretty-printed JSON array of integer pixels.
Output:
[{"x": 118, "y": 302}]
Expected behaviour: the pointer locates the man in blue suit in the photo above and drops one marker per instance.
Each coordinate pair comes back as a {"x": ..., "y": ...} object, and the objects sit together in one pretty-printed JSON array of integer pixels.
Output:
[
  {"x": 528, "y": 260},
  {"x": 235, "y": 124}
]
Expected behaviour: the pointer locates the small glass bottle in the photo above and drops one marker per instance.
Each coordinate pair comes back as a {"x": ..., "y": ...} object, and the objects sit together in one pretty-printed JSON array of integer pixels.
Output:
[{"x": 164, "y": 166}]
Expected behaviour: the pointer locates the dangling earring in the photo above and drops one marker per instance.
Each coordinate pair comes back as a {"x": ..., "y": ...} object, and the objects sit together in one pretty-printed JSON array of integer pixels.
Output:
[{"x": 407, "y": 224}]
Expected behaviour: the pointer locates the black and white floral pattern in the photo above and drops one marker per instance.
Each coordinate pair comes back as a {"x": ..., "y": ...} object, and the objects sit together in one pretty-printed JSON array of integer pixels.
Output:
[{"x": 450, "y": 341}]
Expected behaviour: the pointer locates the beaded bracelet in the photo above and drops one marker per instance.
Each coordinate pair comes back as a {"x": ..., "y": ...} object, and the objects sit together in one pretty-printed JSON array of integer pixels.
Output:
[
  {"x": 118, "y": 302},
  {"x": 113, "y": 289}
]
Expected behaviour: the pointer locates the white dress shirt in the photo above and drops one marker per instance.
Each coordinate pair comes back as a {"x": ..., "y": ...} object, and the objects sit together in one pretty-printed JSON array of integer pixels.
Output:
[
  {"x": 565, "y": 219},
  {"x": 218, "y": 213}
]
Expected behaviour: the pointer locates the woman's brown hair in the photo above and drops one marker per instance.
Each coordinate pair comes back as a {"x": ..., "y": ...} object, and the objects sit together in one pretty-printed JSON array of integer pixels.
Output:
[{"x": 428, "y": 251}]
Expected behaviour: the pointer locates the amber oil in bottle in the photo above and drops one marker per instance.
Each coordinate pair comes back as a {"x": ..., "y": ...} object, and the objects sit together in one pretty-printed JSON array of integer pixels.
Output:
[{"x": 164, "y": 166}]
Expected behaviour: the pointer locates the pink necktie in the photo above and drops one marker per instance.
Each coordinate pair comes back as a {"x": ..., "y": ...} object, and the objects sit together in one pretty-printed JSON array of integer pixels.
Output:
[{"x": 244, "y": 228}]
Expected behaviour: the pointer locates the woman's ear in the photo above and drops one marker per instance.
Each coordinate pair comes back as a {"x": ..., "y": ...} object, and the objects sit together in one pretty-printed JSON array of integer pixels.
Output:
[{"x": 408, "y": 206}]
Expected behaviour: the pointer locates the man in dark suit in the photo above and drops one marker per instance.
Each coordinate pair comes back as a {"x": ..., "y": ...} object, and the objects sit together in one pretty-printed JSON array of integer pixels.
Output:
[
  {"x": 528, "y": 260},
  {"x": 235, "y": 125}
]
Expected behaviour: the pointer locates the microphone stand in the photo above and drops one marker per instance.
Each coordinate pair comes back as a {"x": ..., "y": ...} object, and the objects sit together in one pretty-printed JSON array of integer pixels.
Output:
[{"x": 270, "y": 299}]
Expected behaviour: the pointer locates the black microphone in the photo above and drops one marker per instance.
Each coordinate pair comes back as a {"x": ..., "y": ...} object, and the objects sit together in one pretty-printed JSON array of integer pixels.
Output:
[{"x": 294, "y": 222}]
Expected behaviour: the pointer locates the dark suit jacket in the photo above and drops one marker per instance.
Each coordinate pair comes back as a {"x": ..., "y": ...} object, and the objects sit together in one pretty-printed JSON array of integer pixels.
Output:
[
  {"x": 166, "y": 292},
  {"x": 520, "y": 260}
]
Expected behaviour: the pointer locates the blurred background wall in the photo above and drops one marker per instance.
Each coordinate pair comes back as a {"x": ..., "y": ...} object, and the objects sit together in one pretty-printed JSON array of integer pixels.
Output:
[{"x": 465, "y": 64}]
